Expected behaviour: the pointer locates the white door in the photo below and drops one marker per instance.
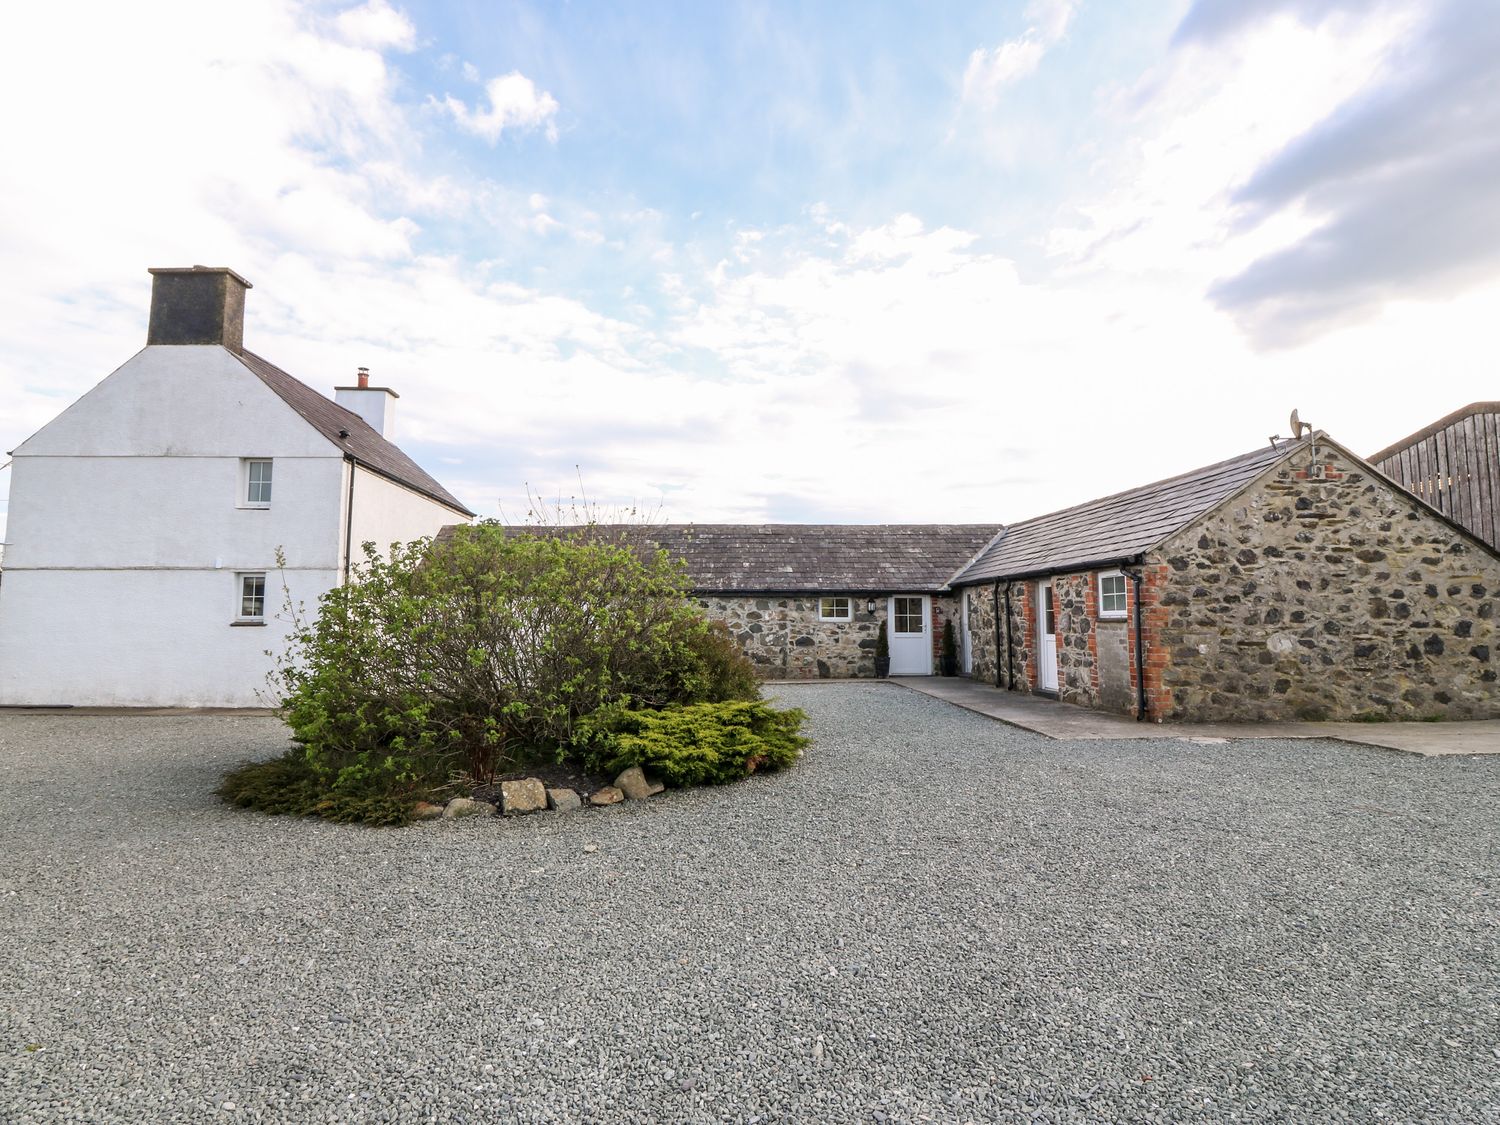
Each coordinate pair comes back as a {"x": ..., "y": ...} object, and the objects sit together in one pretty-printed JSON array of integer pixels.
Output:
[
  {"x": 965, "y": 641},
  {"x": 1046, "y": 668},
  {"x": 910, "y": 635}
]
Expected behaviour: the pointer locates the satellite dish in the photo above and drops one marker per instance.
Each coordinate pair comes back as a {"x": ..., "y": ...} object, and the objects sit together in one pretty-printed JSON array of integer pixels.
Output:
[{"x": 1298, "y": 425}]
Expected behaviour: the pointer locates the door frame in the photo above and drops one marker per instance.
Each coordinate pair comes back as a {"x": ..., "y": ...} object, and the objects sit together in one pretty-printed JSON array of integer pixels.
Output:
[
  {"x": 1045, "y": 594},
  {"x": 965, "y": 637},
  {"x": 890, "y": 609}
]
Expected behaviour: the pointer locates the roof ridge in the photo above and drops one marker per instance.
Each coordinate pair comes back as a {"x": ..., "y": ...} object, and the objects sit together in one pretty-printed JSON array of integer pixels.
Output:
[
  {"x": 1121, "y": 525},
  {"x": 1141, "y": 488}
]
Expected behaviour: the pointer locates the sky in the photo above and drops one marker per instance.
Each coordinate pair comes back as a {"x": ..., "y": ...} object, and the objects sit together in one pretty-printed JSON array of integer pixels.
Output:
[{"x": 744, "y": 262}]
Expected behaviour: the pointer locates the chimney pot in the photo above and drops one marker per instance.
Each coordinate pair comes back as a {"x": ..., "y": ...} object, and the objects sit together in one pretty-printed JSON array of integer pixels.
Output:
[
  {"x": 197, "y": 305},
  {"x": 364, "y": 378}
]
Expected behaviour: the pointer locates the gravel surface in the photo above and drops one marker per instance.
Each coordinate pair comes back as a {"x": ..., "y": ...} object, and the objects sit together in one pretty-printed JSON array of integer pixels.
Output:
[{"x": 932, "y": 917}]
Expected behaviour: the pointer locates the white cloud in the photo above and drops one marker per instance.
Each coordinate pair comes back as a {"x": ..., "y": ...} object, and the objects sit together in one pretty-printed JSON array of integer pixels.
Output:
[
  {"x": 515, "y": 103},
  {"x": 897, "y": 369},
  {"x": 376, "y": 25},
  {"x": 992, "y": 69}
]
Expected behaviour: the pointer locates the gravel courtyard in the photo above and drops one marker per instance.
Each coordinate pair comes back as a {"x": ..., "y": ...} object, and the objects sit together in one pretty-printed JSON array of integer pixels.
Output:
[{"x": 932, "y": 917}]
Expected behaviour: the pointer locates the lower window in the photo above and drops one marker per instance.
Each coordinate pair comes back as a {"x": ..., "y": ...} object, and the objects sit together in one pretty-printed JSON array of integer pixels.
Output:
[
  {"x": 252, "y": 597},
  {"x": 835, "y": 609}
]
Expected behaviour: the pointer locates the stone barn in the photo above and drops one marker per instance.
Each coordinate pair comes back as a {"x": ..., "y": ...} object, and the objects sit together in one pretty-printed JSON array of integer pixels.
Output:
[
  {"x": 806, "y": 600},
  {"x": 1293, "y": 582}
]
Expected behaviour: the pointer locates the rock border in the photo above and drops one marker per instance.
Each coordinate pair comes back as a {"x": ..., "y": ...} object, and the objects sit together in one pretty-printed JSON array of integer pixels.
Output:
[{"x": 527, "y": 795}]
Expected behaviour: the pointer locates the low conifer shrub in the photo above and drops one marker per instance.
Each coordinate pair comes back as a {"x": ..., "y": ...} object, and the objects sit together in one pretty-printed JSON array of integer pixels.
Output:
[{"x": 703, "y": 743}]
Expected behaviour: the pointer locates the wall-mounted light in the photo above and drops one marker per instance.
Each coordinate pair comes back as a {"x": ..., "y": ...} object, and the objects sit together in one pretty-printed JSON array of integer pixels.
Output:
[{"x": 870, "y": 605}]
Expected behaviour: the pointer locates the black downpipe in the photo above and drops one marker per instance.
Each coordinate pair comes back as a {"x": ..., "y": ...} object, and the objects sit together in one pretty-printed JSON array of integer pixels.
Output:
[
  {"x": 1140, "y": 651},
  {"x": 1010, "y": 663},
  {"x": 349, "y": 522},
  {"x": 997, "y": 632}
]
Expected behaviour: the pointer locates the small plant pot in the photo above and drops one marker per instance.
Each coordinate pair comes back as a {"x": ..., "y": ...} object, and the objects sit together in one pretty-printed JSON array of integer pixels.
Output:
[
  {"x": 882, "y": 667},
  {"x": 950, "y": 667}
]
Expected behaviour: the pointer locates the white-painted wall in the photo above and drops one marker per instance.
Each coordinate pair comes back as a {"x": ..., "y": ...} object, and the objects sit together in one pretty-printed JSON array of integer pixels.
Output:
[
  {"x": 140, "y": 638},
  {"x": 127, "y": 531},
  {"x": 386, "y": 513}
]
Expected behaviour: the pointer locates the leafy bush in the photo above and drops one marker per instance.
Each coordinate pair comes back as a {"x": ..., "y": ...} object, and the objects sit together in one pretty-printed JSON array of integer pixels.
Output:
[
  {"x": 700, "y": 744},
  {"x": 477, "y": 652},
  {"x": 882, "y": 643},
  {"x": 473, "y": 655}
]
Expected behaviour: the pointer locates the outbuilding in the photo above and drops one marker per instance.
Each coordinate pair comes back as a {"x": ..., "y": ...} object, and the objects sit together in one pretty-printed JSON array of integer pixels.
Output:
[{"x": 1292, "y": 582}]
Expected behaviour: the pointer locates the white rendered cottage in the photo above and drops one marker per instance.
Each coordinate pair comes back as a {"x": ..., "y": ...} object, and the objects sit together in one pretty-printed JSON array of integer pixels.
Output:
[{"x": 145, "y": 520}]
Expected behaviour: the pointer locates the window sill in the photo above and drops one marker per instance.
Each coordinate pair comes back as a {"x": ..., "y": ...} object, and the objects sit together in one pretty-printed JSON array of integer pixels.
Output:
[
  {"x": 1114, "y": 617},
  {"x": 253, "y": 507},
  {"x": 247, "y": 624}
]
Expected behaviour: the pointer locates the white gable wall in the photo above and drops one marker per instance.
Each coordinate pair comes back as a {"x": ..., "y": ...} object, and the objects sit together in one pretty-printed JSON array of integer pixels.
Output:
[
  {"x": 386, "y": 512},
  {"x": 126, "y": 533}
]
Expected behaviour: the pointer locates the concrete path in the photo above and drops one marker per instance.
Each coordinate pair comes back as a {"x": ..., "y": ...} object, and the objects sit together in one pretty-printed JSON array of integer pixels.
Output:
[{"x": 1069, "y": 721}]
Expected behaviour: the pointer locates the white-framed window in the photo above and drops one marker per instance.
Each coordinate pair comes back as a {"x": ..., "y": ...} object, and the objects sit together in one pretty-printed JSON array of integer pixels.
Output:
[
  {"x": 1112, "y": 598},
  {"x": 252, "y": 597},
  {"x": 909, "y": 616},
  {"x": 255, "y": 482},
  {"x": 835, "y": 609}
]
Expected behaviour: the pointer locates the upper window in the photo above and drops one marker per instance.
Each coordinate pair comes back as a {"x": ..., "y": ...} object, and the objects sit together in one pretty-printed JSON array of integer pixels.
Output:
[
  {"x": 835, "y": 609},
  {"x": 909, "y": 616},
  {"x": 257, "y": 484},
  {"x": 1112, "y": 602},
  {"x": 252, "y": 597}
]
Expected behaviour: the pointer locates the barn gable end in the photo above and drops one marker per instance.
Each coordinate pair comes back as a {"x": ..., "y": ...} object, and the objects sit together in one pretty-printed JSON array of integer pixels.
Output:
[{"x": 1321, "y": 595}]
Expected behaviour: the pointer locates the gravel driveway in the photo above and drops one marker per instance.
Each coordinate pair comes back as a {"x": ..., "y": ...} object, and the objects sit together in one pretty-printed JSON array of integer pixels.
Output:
[{"x": 932, "y": 917}]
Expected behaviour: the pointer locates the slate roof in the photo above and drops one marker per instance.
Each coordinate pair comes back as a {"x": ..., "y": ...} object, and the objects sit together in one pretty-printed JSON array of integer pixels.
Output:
[
  {"x": 1119, "y": 527},
  {"x": 363, "y": 443},
  {"x": 791, "y": 558}
]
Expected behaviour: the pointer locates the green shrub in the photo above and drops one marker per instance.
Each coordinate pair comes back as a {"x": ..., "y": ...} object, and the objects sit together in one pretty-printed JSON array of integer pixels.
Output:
[
  {"x": 700, "y": 744},
  {"x": 479, "y": 652},
  {"x": 882, "y": 643},
  {"x": 291, "y": 786},
  {"x": 475, "y": 654}
]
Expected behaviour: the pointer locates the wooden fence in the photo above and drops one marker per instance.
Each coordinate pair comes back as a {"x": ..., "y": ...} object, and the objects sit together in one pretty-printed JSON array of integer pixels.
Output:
[{"x": 1454, "y": 465}]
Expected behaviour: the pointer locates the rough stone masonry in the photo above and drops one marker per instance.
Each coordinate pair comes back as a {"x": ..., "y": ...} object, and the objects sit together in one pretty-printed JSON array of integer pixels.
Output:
[{"x": 1340, "y": 597}]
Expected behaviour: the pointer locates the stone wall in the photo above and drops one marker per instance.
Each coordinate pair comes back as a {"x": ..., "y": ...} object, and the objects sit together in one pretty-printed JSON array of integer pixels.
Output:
[
  {"x": 1337, "y": 598},
  {"x": 1019, "y": 661},
  {"x": 944, "y": 608},
  {"x": 785, "y": 640},
  {"x": 982, "y": 635}
]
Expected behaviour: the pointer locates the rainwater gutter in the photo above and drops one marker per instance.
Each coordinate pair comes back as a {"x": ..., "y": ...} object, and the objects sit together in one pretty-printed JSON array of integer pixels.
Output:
[
  {"x": 1140, "y": 651},
  {"x": 997, "y": 631},
  {"x": 349, "y": 520},
  {"x": 1010, "y": 663}
]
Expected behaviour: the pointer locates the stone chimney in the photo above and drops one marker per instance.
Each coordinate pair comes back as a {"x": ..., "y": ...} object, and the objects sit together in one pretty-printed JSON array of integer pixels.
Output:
[
  {"x": 197, "y": 305},
  {"x": 376, "y": 405}
]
